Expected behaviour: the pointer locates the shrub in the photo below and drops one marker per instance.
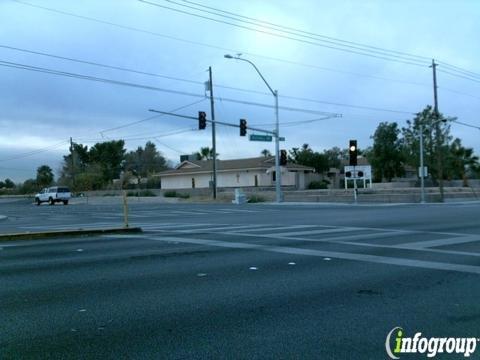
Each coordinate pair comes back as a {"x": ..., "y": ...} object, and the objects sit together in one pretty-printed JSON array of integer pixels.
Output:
[
  {"x": 322, "y": 184},
  {"x": 256, "y": 199},
  {"x": 141, "y": 193},
  {"x": 171, "y": 193}
]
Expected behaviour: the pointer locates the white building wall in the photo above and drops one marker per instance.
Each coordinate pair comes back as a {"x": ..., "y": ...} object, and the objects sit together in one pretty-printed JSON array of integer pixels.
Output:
[{"x": 226, "y": 179}]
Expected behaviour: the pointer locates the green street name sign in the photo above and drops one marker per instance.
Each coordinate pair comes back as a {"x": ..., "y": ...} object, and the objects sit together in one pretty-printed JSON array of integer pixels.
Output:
[{"x": 255, "y": 137}]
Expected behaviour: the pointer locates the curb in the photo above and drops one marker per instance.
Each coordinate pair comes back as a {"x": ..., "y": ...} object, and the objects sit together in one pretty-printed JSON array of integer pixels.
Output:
[{"x": 59, "y": 233}]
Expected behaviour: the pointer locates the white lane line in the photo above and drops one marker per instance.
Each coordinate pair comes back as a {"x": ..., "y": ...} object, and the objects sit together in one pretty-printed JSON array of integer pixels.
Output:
[
  {"x": 184, "y": 212},
  {"x": 214, "y": 229},
  {"x": 335, "y": 239},
  {"x": 439, "y": 242},
  {"x": 176, "y": 226},
  {"x": 293, "y": 227},
  {"x": 315, "y": 232},
  {"x": 331, "y": 254}
]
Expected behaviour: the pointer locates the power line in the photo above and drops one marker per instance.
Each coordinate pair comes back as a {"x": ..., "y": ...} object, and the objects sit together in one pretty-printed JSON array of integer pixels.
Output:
[
  {"x": 390, "y": 58},
  {"x": 34, "y": 152},
  {"x": 147, "y": 87},
  {"x": 459, "y": 76},
  {"x": 99, "y": 64},
  {"x": 196, "y": 82},
  {"x": 148, "y": 118},
  {"x": 459, "y": 69},
  {"x": 173, "y": 38},
  {"x": 465, "y": 124},
  {"x": 294, "y": 31}
]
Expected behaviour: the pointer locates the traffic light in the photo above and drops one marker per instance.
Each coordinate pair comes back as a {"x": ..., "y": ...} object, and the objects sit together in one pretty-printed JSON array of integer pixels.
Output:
[
  {"x": 352, "y": 151},
  {"x": 243, "y": 127},
  {"x": 348, "y": 174},
  {"x": 202, "y": 120},
  {"x": 360, "y": 174},
  {"x": 283, "y": 157}
]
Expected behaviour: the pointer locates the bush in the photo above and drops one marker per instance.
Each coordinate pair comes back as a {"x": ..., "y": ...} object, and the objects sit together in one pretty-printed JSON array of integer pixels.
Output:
[
  {"x": 256, "y": 199},
  {"x": 173, "y": 193},
  {"x": 141, "y": 193},
  {"x": 170, "y": 194},
  {"x": 322, "y": 184}
]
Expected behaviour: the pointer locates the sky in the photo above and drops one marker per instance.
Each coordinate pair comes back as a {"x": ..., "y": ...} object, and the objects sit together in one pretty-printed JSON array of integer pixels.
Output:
[{"x": 347, "y": 88}]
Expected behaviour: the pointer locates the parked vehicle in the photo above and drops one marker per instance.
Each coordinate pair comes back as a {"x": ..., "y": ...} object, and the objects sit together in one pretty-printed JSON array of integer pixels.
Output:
[{"x": 53, "y": 194}]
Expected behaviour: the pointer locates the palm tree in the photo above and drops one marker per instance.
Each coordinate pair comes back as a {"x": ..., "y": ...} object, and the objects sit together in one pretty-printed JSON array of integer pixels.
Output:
[
  {"x": 205, "y": 153},
  {"x": 462, "y": 160}
]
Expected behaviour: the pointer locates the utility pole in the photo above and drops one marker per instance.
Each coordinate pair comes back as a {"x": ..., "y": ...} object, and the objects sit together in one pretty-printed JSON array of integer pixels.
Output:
[
  {"x": 437, "y": 130},
  {"x": 214, "y": 143},
  {"x": 73, "y": 162}
]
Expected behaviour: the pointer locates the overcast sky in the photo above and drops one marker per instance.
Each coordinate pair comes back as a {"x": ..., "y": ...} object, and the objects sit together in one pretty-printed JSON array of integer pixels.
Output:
[{"x": 40, "y": 112}]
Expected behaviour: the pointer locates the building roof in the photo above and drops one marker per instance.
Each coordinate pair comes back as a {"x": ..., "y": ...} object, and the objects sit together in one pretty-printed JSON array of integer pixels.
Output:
[{"x": 205, "y": 166}]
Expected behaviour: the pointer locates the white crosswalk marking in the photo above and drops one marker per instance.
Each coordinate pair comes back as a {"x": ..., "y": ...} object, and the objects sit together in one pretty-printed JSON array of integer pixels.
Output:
[
  {"x": 440, "y": 242},
  {"x": 331, "y": 254},
  {"x": 315, "y": 232}
]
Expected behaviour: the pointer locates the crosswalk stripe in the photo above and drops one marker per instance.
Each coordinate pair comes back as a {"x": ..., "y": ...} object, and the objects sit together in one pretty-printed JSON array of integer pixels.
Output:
[
  {"x": 293, "y": 227},
  {"x": 315, "y": 232},
  {"x": 332, "y": 254},
  {"x": 440, "y": 242},
  {"x": 214, "y": 229}
]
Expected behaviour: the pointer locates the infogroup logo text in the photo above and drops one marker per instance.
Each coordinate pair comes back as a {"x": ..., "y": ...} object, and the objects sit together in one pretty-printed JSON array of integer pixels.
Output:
[{"x": 429, "y": 346}]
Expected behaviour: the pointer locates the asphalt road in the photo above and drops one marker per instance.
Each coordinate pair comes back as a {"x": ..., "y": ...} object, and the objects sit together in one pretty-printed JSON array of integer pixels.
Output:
[{"x": 237, "y": 282}]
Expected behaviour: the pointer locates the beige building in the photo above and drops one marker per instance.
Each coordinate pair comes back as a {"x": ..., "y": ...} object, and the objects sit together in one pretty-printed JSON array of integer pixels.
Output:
[{"x": 251, "y": 172}]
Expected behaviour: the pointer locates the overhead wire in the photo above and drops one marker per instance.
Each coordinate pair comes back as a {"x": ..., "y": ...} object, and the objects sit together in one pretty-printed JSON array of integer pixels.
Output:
[
  {"x": 192, "y": 42},
  {"x": 198, "y": 82},
  {"x": 293, "y": 31},
  {"x": 148, "y": 118},
  {"x": 314, "y": 43},
  {"x": 36, "y": 151},
  {"x": 147, "y": 87}
]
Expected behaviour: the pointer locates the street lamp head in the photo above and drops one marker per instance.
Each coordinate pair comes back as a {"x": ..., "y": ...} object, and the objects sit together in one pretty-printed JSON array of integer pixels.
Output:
[{"x": 228, "y": 56}]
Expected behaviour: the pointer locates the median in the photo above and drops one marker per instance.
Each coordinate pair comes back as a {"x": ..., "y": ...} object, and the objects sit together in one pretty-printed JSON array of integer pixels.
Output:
[{"x": 68, "y": 232}]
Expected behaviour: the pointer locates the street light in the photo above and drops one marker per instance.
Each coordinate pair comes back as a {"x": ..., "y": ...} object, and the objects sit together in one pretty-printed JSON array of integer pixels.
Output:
[
  {"x": 422, "y": 172},
  {"x": 278, "y": 175}
]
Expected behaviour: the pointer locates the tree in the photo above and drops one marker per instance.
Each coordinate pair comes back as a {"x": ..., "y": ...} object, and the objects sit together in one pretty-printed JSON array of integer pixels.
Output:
[
  {"x": 109, "y": 156},
  {"x": 411, "y": 142},
  {"x": 307, "y": 157},
  {"x": 386, "y": 155},
  {"x": 2, "y": 185},
  {"x": 29, "y": 186},
  {"x": 205, "y": 153},
  {"x": 73, "y": 165},
  {"x": 44, "y": 176},
  {"x": 335, "y": 156},
  {"x": 266, "y": 153},
  {"x": 9, "y": 184},
  {"x": 460, "y": 162},
  {"x": 145, "y": 161}
]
